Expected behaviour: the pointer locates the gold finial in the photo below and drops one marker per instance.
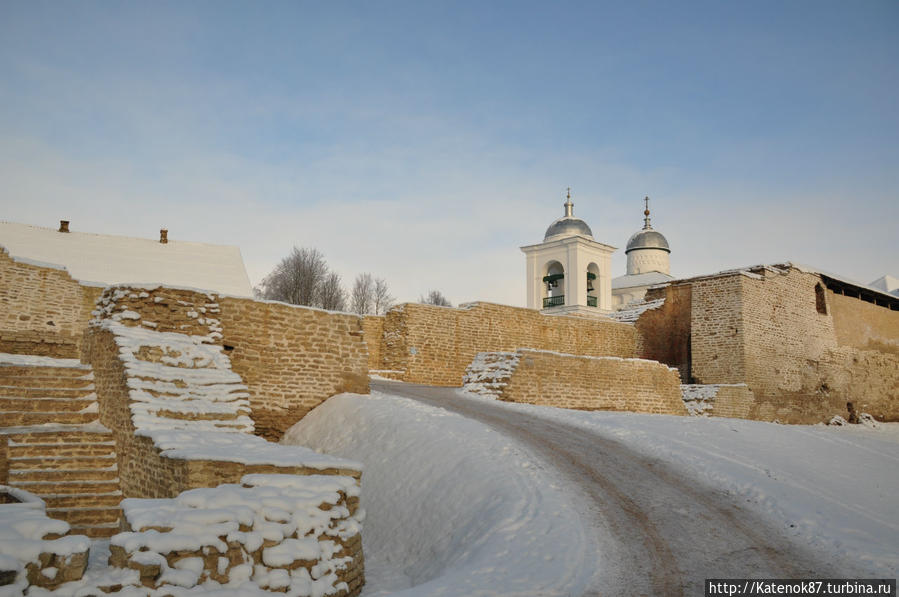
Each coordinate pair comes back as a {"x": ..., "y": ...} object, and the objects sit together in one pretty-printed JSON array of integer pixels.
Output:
[
  {"x": 646, "y": 225},
  {"x": 569, "y": 193}
]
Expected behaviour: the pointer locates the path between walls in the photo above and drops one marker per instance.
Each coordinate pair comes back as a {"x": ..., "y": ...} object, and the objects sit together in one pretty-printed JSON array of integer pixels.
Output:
[{"x": 645, "y": 529}]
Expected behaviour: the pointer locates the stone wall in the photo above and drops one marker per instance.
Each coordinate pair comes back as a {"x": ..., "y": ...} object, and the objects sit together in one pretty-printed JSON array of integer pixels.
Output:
[
  {"x": 802, "y": 360},
  {"x": 292, "y": 358},
  {"x": 716, "y": 336},
  {"x": 863, "y": 325},
  {"x": 664, "y": 333},
  {"x": 43, "y": 311},
  {"x": 434, "y": 345},
  {"x": 373, "y": 330},
  {"x": 593, "y": 383}
]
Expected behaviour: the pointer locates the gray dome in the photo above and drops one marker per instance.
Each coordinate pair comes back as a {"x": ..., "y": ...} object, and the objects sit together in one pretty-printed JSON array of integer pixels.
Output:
[
  {"x": 567, "y": 226},
  {"x": 647, "y": 239}
]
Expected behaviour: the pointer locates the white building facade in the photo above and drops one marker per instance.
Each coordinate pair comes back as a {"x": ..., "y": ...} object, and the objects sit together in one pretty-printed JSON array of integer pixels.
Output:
[{"x": 569, "y": 271}]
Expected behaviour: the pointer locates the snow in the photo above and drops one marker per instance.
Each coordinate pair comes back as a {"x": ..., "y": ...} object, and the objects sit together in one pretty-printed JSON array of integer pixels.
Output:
[
  {"x": 632, "y": 311},
  {"x": 489, "y": 373},
  {"x": 453, "y": 507},
  {"x": 700, "y": 398},
  {"x": 108, "y": 259},
  {"x": 456, "y": 508},
  {"x": 36, "y": 361}
]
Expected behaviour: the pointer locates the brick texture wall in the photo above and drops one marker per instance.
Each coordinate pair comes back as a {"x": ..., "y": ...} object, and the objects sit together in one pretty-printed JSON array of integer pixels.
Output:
[
  {"x": 801, "y": 365},
  {"x": 594, "y": 383},
  {"x": 292, "y": 358},
  {"x": 863, "y": 325},
  {"x": 664, "y": 333},
  {"x": 434, "y": 345},
  {"x": 373, "y": 329},
  {"x": 43, "y": 311}
]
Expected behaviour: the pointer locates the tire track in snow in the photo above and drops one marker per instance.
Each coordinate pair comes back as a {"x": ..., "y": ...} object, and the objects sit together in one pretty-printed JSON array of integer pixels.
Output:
[{"x": 658, "y": 533}]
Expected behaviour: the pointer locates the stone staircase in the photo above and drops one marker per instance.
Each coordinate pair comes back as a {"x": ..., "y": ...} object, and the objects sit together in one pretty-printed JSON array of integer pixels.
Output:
[{"x": 56, "y": 447}]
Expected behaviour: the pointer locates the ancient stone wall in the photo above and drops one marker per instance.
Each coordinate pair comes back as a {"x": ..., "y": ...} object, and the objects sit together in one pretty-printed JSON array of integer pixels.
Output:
[
  {"x": 802, "y": 360},
  {"x": 43, "y": 311},
  {"x": 292, "y": 358},
  {"x": 863, "y": 325},
  {"x": 434, "y": 345},
  {"x": 373, "y": 330},
  {"x": 593, "y": 383},
  {"x": 663, "y": 334},
  {"x": 716, "y": 337}
]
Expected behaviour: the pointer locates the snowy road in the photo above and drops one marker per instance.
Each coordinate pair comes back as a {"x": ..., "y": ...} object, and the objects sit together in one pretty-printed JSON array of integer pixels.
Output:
[{"x": 655, "y": 532}]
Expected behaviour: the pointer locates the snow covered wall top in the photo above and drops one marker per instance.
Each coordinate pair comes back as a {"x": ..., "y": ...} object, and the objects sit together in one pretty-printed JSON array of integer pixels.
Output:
[{"x": 109, "y": 259}]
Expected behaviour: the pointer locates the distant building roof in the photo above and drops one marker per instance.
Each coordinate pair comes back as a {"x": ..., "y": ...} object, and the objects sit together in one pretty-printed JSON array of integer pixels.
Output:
[
  {"x": 644, "y": 279},
  {"x": 887, "y": 284},
  {"x": 119, "y": 259}
]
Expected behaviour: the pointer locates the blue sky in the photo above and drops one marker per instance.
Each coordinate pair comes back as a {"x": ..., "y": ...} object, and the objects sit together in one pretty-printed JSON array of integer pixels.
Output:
[{"x": 426, "y": 141}]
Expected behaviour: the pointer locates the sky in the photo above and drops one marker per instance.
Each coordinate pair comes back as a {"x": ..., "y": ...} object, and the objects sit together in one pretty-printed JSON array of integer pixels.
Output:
[{"x": 425, "y": 142}]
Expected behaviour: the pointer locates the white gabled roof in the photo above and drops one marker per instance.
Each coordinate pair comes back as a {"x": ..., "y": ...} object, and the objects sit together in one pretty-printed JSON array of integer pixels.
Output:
[
  {"x": 110, "y": 259},
  {"x": 644, "y": 279},
  {"x": 887, "y": 284}
]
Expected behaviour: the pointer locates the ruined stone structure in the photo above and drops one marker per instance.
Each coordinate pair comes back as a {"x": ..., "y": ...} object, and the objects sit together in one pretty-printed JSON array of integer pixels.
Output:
[
  {"x": 805, "y": 344},
  {"x": 165, "y": 399},
  {"x": 579, "y": 382}
]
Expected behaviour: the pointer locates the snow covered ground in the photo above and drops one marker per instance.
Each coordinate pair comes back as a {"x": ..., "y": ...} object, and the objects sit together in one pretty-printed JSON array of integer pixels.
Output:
[{"x": 457, "y": 508}]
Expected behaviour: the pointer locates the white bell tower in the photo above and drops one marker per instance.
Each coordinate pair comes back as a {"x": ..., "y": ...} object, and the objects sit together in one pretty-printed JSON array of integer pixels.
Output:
[{"x": 569, "y": 271}]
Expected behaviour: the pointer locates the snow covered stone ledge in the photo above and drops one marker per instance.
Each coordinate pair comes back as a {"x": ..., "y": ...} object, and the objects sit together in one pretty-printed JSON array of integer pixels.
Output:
[
  {"x": 34, "y": 549},
  {"x": 294, "y": 534},
  {"x": 551, "y": 378},
  {"x": 718, "y": 400}
]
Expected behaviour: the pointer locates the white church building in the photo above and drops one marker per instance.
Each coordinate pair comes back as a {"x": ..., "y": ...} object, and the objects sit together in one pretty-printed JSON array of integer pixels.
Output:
[{"x": 570, "y": 272}]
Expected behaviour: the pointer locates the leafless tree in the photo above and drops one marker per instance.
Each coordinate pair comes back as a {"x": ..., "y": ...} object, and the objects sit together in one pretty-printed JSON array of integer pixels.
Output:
[
  {"x": 331, "y": 293},
  {"x": 435, "y": 297},
  {"x": 362, "y": 296},
  {"x": 297, "y": 279},
  {"x": 383, "y": 299}
]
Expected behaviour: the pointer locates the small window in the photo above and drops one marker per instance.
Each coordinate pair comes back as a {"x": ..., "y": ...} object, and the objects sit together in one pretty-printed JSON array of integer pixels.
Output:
[{"x": 820, "y": 299}]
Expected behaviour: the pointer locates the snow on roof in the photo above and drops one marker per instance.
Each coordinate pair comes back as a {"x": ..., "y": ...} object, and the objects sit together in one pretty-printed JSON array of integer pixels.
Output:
[
  {"x": 112, "y": 259},
  {"x": 886, "y": 284},
  {"x": 644, "y": 279}
]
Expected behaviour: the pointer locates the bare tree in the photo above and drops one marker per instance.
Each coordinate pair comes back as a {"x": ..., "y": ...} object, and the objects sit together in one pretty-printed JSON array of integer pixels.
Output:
[
  {"x": 362, "y": 296},
  {"x": 297, "y": 279},
  {"x": 435, "y": 297},
  {"x": 331, "y": 293},
  {"x": 382, "y": 299}
]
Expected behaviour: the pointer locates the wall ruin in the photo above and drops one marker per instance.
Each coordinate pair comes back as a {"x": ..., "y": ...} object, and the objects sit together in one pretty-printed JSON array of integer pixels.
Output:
[{"x": 433, "y": 345}]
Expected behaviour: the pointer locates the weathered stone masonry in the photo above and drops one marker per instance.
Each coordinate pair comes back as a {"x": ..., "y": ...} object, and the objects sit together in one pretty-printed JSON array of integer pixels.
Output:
[{"x": 434, "y": 345}]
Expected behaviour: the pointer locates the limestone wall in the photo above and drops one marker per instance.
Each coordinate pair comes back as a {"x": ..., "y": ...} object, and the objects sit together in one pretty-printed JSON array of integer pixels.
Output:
[
  {"x": 717, "y": 340},
  {"x": 434, "y": 345},
  {"x": 593, "y": 383},
  {"x": 43, "y": 311},
  {"x": 863, "y": 325},
  {"x": 292, "y": 358},
  {"x": 373, "y": 330},
  {"x": 766, "y": 328},
  {"x": 664, "y": 333}
]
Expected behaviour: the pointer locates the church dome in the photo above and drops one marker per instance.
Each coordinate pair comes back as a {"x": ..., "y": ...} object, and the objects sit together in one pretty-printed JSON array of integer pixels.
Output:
[
  {"x": 568, "y": 225},
  {"x": 647, "y": 238}
]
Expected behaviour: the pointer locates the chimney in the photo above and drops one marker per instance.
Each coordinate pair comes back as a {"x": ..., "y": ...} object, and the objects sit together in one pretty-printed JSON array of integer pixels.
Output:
[
  {"x": 163, "y": 236},
  {"x": 63, "y": 225}
]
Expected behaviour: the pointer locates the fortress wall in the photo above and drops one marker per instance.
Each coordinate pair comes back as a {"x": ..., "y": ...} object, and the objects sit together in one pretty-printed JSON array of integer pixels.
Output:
[
  {"x": 664, "y": 333},
  {"x": 292, "y": 358},
  {"x": 716, "y": 337},
  {"x": 434, "y": 345},
  {"x": 43, "y": 310},
  {"x": 373, "y": 331},
  {"x": 801, "y": 365},
  {"x": 863, "y": 325},
  {"x": 594, "y": 383}
]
